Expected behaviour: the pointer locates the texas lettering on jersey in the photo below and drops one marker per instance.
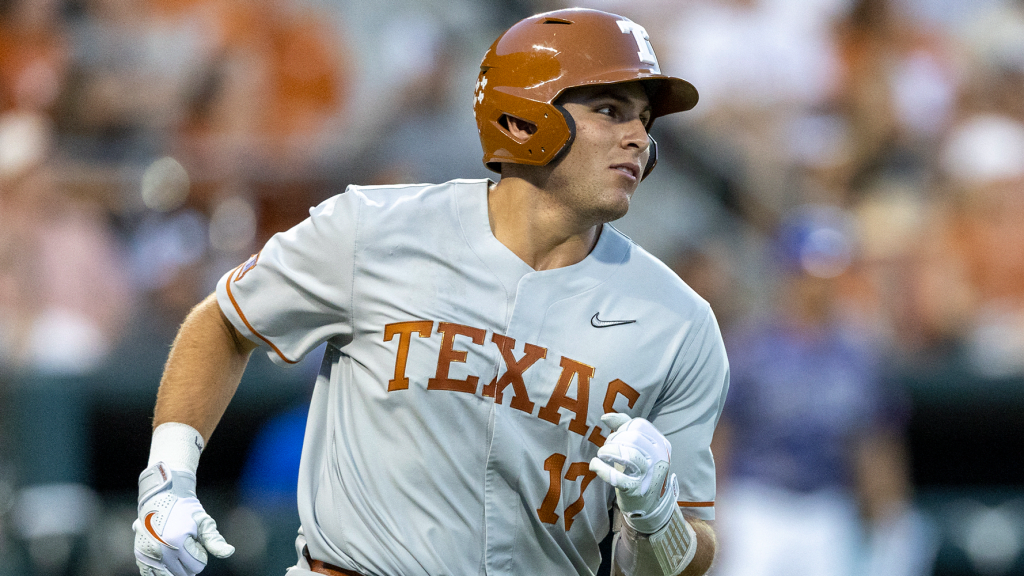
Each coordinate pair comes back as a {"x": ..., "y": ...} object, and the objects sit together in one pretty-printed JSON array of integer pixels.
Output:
[{"x": 515, "y": 369}]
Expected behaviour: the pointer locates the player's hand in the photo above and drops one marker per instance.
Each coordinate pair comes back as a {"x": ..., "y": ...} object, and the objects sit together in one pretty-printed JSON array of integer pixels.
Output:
[
  {"x": 173, "y": 533},
  {"x": 635, "y": 460}
]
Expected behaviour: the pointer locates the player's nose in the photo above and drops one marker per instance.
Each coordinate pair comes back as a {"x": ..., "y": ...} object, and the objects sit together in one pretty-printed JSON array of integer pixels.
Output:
[{"x": 635, "y": 135}]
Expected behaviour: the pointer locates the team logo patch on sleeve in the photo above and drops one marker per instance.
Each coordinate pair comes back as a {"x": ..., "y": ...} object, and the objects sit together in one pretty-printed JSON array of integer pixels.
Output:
[{"x": 249, "y": 265}]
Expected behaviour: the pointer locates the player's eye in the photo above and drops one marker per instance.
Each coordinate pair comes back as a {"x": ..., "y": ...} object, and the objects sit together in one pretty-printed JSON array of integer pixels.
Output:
[{"x": 607, "y": 110}]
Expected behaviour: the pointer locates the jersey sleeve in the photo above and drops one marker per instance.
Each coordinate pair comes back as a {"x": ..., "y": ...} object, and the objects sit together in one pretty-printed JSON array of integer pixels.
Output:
[
  {"x": 688, "y": 410},
  {"x": 296, "y": 292}
]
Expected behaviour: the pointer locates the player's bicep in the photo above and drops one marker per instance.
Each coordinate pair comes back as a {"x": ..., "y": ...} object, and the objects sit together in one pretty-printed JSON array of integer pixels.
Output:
[{"x": 242, "y": 344}]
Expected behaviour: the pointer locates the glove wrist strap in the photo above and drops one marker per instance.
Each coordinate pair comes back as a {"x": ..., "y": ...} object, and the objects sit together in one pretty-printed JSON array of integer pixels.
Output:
[
  {"x": 656, "y": 519},
  {"x": 177, "y": 445},
  {"x": 159, "y": 478},
  {"x": 153, "y": 480}
]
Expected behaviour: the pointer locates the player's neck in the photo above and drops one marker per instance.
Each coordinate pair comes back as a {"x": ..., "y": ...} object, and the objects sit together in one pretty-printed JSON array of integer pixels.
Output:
[{"x": 535, "y": 227}]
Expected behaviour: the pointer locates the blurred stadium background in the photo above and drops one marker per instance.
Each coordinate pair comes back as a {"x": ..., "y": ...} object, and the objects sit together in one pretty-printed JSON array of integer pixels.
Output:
[{"x": 147, "y": 146}]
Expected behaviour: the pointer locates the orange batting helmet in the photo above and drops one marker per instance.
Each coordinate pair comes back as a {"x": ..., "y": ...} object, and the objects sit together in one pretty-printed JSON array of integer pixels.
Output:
[{"x": 536, "y": 60}]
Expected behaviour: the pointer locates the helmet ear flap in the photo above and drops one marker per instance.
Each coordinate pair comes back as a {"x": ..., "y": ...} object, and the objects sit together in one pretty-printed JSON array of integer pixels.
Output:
[
  {"x": 571, "y": 124},
  {"x": 652, "y": 160},
  {"x": 550, "y": 136}
]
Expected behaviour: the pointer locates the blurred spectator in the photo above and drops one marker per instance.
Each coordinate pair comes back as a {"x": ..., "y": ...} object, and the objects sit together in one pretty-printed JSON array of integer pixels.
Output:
[
  {"x": 984, "y": 161},
  {"x": 276, "y": 79},
  {"x": 898, "y": 83},
  {"x": 70, "y": 294},
  {"x": 815, "y": 477},
  {"x": 910, "y": 292},
  {"x": 130, "y": 79},
  {"x": 34, "y": 55},
  {"x": 760, "y": 66}
]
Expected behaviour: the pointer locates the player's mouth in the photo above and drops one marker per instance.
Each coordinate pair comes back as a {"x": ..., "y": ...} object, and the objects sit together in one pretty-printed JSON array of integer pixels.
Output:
[{"x": 629, "y": 169}]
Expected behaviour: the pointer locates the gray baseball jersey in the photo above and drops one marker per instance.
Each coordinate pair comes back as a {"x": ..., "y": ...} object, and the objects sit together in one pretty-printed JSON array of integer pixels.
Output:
[{"x": 459, "y": 401}]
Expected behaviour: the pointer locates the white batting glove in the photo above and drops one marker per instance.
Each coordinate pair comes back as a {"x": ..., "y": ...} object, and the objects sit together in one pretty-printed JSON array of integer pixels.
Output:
[
  {"x": 635, "y": 460},
  {"x": 173, "y": 533}
]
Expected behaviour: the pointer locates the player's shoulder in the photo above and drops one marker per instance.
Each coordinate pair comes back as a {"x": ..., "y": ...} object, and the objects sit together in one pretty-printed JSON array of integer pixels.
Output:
[
  {"x": 648, "y": 278},
  {"x": 412, "y": 196},
  {"x": 369, "y": 207}
]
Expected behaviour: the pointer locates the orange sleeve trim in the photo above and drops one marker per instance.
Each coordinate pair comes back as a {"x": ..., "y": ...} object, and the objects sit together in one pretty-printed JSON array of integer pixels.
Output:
[
  {"x": 696, "y": 504},
  {"x": 227, "y": 286}
]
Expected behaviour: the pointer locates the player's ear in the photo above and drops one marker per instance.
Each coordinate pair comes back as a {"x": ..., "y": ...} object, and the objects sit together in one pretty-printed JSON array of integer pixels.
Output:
[{"x": 518, "y": 128}]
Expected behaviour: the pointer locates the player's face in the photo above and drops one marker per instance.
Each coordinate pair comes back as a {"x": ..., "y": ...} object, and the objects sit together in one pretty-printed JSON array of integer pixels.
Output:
[{"x": 601, "y": 170}]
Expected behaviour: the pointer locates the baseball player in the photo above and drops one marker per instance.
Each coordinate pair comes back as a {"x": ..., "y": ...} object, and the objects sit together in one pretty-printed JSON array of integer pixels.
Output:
[{"x": 502, "y": 368}]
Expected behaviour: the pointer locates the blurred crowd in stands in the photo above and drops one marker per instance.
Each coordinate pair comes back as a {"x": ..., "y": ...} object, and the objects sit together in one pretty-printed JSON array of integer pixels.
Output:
[{"x": 853, "y": 176}]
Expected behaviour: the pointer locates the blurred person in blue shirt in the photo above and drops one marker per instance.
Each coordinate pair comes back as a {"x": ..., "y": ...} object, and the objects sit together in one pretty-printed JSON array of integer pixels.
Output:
[{"x": 816, "y": 479}]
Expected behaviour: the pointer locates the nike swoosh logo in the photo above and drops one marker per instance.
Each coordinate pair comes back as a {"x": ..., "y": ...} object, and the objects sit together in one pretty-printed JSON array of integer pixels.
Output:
[
  {"x": 149, "y": 527},
  {"x": 598, "y": 323}
]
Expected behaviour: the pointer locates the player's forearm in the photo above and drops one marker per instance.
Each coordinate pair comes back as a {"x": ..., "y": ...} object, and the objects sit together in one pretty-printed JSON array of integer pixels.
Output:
[
  {"x": 203, "y": 370},
  {"x": 707, "y": 544}
]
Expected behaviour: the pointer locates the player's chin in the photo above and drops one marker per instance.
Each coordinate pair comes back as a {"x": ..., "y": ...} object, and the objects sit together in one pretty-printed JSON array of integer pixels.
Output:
[{"x": 613, "y": 210}]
